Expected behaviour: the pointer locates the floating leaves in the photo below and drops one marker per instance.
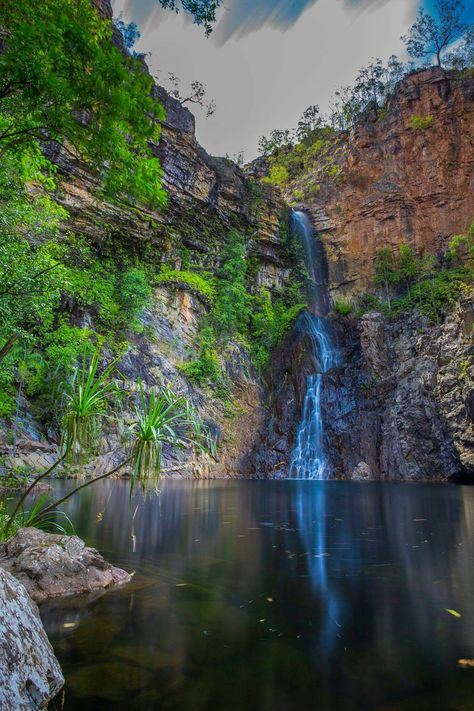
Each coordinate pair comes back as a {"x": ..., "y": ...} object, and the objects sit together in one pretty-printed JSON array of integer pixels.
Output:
[{"x": 454, "y": 613}]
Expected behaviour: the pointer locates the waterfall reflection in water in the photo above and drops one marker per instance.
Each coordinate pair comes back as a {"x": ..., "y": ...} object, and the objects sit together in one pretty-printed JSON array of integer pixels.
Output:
[{"x": 274, "y": 595}]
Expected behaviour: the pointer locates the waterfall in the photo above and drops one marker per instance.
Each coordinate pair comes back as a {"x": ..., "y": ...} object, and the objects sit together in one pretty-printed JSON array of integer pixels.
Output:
[{"x": 309, "y": 459}]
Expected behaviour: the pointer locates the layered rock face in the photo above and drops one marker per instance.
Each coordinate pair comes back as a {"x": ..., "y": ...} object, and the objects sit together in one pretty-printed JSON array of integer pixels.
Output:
[
  {"x": 398, "y": 407},
  {"x": 30, "y": 675},
  {"x": 397, "y": 182},
  {"x": 207, "y": 197}
]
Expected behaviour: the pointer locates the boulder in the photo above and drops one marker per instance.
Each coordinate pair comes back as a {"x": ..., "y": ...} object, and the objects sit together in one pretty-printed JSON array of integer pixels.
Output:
[
  {"x": 51, "y": 565},
  {"x": 29, "y": 672},
  {"x": 362, "y": 472}
]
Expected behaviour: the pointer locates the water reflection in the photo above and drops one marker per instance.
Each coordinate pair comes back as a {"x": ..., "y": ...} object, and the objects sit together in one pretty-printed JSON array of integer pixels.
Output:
[{"x": 275, "y": 595}]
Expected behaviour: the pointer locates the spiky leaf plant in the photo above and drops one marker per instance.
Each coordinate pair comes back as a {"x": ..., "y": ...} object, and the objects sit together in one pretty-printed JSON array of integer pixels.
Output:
[
  {"x": 86, "y": 398},
  {"x": 162, "y": 417}
]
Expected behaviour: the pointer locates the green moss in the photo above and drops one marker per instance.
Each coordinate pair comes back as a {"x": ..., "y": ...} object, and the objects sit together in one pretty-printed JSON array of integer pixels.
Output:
[{"x": 195, "y": 282}]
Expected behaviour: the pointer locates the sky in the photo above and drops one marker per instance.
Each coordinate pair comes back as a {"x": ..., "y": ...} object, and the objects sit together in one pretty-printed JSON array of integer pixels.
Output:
[{"x": 267, "y": 60}]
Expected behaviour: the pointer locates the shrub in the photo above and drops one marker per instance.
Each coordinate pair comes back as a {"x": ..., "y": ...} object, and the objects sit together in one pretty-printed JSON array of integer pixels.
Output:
[
  {"x": 231, "y": 308},
  {"x": 278, "y": 176},
  {"x": 343, "y": 308},
  {"x": 134, "y": 295},
  {"x": 418, "y": 123},
  {"x": 206, "y": 367},
  {"x": 200, "y": 285}
]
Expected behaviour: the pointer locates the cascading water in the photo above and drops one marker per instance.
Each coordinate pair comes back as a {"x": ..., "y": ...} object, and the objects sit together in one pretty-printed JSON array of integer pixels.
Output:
[{"x": 309, "y": 458}]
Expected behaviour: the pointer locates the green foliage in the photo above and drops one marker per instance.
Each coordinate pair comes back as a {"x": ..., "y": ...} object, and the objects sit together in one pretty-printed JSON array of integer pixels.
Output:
[
  {"x": 86, "y": 404},
  {"x": 32, "y": 517},
  {"x": 343, "y": 308},
  {"x": 431, "y": 34},
  {"x": 204, "y": 286},
  {"x": 30, "y": 280},
  {"x": 77, "y": 89},
  {"x": 161, "y": 418},
  {"x": 278, "y": 176},
  {"x": 418, "y": 123},
  {"x": 432, "y": 297},
  {"x": 231, "y": 311},
  {"x": 202, "y": 11},
  {"x": 134, "y": 295},
  {"x": 270, "y": 322},
  {"x": 206, "y": 368},
  {"x": 461, "y": 246},
  {"x": 257, "y": 319},
  {"x": 430, "y": 290}
]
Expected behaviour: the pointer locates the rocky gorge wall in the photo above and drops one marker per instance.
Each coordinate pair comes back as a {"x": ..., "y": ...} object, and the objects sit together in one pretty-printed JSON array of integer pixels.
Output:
[
  {"x": 394, "y": 181},
  {"x": 400, "y": 405},
  {"x": 207, "y": 197},
  {"x": 401, "y": 402}
]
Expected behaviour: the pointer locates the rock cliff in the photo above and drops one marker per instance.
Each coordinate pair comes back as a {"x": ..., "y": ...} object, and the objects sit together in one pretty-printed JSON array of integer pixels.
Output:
[
  {"x": 400, "y": 405},
  {"x": 207, "y": 197},
  {"x": 394, "y": 180}
]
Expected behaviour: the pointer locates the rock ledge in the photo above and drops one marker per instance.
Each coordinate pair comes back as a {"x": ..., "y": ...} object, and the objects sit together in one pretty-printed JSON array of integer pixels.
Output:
[{"x": 51, "y": 565}]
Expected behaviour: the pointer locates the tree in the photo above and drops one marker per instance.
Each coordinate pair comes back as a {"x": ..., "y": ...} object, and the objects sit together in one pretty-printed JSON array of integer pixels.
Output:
[
  {"x": 195, "y": 95},
  {"x": 462, "y": 56},
  {"x": 161, "y": 417},
  {"x": 369, "y": 85},
  {"x": 31, "y": 279},
  {"x": 76, "y": 89},
  {"x": 430, "y": 35},
  {"x": 130, "y": 33},
  {"x": 384, "y": 270},
  {"x": 203, "y": 11},
  {"x": 344, "y": 108},
  {"x": 309, "y": 123},
  {"x": 277, "y": 139}
]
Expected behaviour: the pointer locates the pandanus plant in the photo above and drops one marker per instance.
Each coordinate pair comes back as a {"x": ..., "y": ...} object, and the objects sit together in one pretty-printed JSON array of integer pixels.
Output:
[{"x": 161, "y": 417}]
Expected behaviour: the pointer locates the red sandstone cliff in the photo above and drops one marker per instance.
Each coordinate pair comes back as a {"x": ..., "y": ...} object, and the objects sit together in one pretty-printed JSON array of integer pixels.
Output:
[{"x": 397, "y": 182}]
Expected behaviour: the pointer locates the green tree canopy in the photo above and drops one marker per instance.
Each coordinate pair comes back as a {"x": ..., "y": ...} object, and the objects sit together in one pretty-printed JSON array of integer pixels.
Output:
[
  {"x": 203, "y": 11},
  {"x": 63, "y": 81}
]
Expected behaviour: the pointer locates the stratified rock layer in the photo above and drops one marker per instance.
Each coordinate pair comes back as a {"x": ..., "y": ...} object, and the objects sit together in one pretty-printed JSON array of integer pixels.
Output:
[
  {"x": 397, "y": 182},
  {"x": 398, "y": 406},
  {"x": 30, "y": 675}
]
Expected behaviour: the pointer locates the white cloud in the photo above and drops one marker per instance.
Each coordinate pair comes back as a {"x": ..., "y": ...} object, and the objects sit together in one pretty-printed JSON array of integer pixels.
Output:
[{"x": 266, "y": 79}]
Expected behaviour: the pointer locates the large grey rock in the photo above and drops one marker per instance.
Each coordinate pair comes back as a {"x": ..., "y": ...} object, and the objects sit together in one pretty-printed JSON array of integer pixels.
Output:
[
  {"x": 29, "y": 672},
  {"x": 51, "y": 565}
]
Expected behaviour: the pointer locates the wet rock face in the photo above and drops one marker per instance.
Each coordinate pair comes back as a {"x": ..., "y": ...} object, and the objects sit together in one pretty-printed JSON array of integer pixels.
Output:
[
  {"x": 30, "y": 675},
  {"x": 397, "y": 182},
  {"x": 399, "y": 406},
  {"x": 50, "y": 565}
]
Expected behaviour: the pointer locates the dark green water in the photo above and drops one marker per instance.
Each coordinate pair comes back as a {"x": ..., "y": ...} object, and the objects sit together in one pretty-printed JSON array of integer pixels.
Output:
[{"x": 274, "y": 596}]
